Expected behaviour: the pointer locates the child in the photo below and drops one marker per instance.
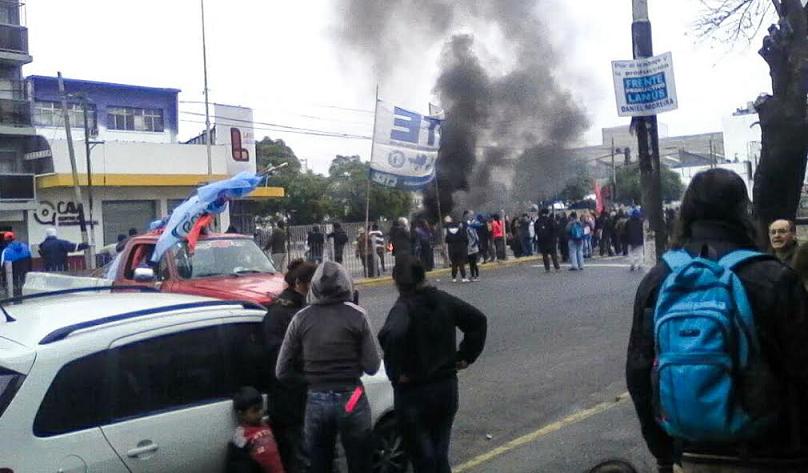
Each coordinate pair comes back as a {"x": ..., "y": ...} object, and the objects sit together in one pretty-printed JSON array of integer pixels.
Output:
[{"x": 253, "y": 448}]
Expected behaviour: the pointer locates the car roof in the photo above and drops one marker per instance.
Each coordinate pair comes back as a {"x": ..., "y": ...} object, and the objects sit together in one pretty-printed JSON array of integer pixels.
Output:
[{"x": 38, "y": 318}]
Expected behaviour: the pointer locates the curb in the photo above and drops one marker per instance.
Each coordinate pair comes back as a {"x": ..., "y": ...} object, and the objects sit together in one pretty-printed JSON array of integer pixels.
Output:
[{"x": 374, "y": 282}]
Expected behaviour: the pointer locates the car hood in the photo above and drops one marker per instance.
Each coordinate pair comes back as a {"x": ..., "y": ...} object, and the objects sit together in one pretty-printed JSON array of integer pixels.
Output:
[{"x": 260, "y": 288}]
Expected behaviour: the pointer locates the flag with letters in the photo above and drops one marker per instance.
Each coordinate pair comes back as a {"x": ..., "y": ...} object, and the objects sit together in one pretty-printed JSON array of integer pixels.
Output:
[{"x": 405, "y": 147}]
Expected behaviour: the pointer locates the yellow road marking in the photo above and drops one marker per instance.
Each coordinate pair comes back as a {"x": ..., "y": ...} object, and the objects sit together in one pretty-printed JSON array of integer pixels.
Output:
[{"x": 535, "y": 435}]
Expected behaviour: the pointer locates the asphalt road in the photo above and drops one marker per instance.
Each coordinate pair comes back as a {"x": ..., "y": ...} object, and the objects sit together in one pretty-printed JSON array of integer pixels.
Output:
[{"x": 556, "y": 346}]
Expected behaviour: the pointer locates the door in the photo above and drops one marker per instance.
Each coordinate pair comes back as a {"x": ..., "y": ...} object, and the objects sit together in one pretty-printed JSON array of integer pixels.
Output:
[
  {"x": 171, "y": 407},
  {"x": 121, "y": 215}
]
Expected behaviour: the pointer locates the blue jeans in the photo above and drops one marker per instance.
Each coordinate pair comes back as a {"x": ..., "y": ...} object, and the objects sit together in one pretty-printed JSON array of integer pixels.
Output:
[
  {"x": 588, "y": 246},
  {"x": 527, "y": 246},
  {"x": 576, "y": 254},
  {"x": 325, "y": 418}
]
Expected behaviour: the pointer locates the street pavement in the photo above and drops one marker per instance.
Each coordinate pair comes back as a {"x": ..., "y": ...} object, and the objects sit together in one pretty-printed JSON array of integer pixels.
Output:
[{"x": 548, "y": 392}]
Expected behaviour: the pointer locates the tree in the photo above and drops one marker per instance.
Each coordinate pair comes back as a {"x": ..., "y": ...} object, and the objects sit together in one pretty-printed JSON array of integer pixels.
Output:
[
  {"x": 629, "y": 190},
  {"x": 784, "y": 127},
  {"x": 348, "y": 176},
  {"x": 578, "y": 187},
  {"x": 271, "y": 152}
]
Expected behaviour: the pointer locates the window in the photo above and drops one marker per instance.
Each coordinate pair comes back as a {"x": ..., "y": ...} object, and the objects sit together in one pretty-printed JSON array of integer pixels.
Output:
[
  {"x": 135, "y": 119},
  {"x": 169, "y": 372},
  {"x": 77, "y": 398},
  {"x": 222, "y": 257},
  {"x": 10, "y": 382},
  {"x": 239, "y": 153},
  {"x": 50, "y": 114},
  {"x": 247, "y": 360}
]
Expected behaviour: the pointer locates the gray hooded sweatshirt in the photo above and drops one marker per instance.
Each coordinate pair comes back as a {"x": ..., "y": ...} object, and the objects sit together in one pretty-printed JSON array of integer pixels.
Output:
[{"x": 332, "y": 336}]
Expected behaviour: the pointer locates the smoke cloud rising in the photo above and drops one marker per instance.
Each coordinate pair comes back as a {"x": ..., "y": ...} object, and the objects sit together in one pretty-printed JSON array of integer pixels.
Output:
[{"x": 497, "y": 105}]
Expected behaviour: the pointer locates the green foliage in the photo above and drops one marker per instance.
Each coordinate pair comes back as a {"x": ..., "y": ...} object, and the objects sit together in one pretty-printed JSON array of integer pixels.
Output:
[
  {"x": 578, "y": 187},
  {"x": 630, "y": 191},
  {"x": 311, "y": 198}
]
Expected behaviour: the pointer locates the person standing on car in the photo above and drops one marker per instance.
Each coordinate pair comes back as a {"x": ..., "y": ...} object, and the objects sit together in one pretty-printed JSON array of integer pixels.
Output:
[
  {"x": 714, "y": 224},
  {"x": 422, "y": 358},
  {"x": 54, "y": 251},
  {"x": 340, "y": 240},
  {"x": 287, "y": 400},
  {"x": 332, "y": 343}
]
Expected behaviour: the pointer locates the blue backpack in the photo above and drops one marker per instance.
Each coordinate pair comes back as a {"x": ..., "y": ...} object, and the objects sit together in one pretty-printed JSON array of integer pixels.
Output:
[
  {"x": 577, "y": 231},
  {"x": 706, "y": 340}
]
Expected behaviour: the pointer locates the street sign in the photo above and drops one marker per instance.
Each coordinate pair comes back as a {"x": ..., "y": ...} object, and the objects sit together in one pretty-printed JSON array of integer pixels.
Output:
[{"x": 645, "y": 86}]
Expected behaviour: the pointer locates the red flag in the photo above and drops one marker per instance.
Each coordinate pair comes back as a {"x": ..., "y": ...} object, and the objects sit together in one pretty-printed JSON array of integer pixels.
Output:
[
  {"x": 598, "y": 197},
  {"x": 193, "y": 235}
]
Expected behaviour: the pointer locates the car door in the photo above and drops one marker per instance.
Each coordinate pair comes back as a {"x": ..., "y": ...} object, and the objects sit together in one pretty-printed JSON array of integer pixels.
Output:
[{"x": 171, "y": 407}]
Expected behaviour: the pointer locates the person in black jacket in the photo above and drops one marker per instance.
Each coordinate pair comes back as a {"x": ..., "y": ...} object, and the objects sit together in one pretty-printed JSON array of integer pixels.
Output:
[
  {"x": 316, "y": 242},
  {"x": 340, "y": 240},
  {"x": 287, "y": 401},
  {"x": 421, "y": 359},
  {"x": 546, "y": 233},
  {"x": 458, "y": 242},
  {"x": 635, "y": 239},
  {"x": 401, "y": 238},
  {"x": 714, "y": 222}
]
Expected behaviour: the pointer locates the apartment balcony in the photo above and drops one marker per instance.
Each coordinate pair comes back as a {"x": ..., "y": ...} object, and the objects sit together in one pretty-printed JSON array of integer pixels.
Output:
[
  {"x": 15, "y": 117},
  {"x": 14, "y": 44}
]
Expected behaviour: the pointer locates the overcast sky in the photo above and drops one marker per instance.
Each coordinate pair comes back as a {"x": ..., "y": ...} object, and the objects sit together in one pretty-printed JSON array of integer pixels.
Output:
[{"x": 281, "y": 58}]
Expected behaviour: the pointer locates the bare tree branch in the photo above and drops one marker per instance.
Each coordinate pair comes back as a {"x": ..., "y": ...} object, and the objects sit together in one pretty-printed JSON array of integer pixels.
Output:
[{"x": 729, "y": 21}]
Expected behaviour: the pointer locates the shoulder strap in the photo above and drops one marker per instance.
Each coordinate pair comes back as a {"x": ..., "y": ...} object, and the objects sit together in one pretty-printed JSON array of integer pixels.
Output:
[
  {"x": 735, "y": 258},
  {"x": 675, "y": 259}
]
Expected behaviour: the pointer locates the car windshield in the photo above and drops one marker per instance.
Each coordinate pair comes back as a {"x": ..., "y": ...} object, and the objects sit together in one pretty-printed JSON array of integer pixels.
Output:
[{"x": 222, "y": 257}]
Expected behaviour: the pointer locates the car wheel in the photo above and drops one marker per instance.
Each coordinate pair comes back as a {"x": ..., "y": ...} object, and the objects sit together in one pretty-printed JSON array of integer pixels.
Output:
[{"x": 388, "y": 451}]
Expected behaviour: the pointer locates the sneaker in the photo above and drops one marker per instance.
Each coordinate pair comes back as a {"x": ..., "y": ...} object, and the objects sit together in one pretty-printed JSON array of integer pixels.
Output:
[
  {"x": 454, "y": 280},
  {"x": 475, "y": 279},
  {"x": 466, "y": 280},
  {"x": 573, "y": 269}
]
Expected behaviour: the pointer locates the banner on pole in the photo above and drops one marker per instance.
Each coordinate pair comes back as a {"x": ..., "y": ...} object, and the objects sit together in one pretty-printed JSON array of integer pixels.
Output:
[
  {"x": 405, "y": 147},
  {"x": 645, "y": 86}
]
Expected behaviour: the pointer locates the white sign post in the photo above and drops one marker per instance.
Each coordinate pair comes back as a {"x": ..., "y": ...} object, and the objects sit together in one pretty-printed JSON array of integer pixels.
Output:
[{"x": 645, "y": 87}]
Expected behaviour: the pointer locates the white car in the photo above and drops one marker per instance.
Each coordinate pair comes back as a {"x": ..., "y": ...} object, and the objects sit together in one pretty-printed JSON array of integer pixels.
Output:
[{"x": 137, "y": 382}]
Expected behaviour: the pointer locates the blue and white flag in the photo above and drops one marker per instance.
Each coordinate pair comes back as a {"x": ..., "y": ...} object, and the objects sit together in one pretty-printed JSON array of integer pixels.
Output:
[
  {"x": 405, "y": 147},
  {"x": 209, "y": 199}
]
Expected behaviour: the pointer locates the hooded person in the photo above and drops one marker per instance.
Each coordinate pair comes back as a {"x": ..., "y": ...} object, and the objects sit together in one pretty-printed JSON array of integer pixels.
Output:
[
  {"x": 330, "y": 344},
  {"x": 458, "y": 241},
  {"x": 422, "y": 357},
  {"x": 713, "y": 224},
  {"x": 54, "y": 251}
]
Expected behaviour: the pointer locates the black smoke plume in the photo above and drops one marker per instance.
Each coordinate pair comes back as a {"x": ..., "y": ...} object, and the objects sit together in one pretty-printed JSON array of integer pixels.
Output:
[{"x": 496, "y": 114}]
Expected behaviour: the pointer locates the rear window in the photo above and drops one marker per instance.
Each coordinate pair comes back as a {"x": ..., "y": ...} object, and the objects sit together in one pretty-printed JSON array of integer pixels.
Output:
[{"x": 10, "y": 382}]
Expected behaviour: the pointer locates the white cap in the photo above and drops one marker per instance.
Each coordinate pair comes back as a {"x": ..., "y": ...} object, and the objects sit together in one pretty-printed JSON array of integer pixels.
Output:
[{"x": 50, "y": 231}]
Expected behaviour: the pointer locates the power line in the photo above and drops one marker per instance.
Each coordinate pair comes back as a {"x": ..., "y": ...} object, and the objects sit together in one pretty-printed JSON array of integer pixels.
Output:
[
  {"x": 324, "y": 134},
  {"x": 275, "y": 125}
]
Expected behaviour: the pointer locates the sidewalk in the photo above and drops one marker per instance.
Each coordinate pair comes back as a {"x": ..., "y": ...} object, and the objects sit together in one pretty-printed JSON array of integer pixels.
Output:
[{"x": 373, "y": 282}]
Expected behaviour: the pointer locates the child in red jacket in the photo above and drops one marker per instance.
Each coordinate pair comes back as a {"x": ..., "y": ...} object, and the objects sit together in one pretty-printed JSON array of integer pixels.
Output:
[{"x": 253, "y": 448}]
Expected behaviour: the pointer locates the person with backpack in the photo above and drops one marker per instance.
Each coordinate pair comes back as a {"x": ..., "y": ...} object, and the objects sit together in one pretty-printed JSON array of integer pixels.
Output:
[
  {"x": 457, "y": 241},
  {"x": 717, "y": 362},
  {"x": 422, "y": 358},
  {"x": 545, "y": 228},
  {"x": 575, "y": 234},
  {"x": 473, "y": 248}
]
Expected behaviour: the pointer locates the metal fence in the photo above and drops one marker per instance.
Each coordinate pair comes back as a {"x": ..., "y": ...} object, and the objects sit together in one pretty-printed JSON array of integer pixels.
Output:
[{"x": 384, "y": 264}]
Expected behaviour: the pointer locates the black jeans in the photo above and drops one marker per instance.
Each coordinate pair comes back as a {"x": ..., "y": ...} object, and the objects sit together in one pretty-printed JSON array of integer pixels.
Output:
[
  {"x": 325, "y": 418},
  {"x": 425, "y": 416},
  {"x": 473, "y": 268},
  {"x": 458, "y": 262},
  {"x": 499, "y": 244},
  {"x": 290, "y": 446},
  {"x": 547, "y": 253}
]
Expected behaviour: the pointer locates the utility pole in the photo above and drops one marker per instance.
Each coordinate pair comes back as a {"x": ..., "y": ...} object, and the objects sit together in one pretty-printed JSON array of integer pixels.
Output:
[
  {"x": 614, "y": 176},
  {"x": 89, "y": 176},
  {"x": 88, "y": 260},
  {"x": 207, "y": 106},
  {"x": 648, "y": 136}
]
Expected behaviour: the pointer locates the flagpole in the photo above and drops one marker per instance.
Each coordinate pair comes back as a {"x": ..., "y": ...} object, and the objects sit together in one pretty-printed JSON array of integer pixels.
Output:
[
  {"x": 440, "y": 220},
  {"x": 367, "y": 197}
]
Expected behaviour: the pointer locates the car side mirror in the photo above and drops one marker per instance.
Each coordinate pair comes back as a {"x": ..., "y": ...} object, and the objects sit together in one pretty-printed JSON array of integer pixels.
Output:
[{"x": 144, "y": 275}]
